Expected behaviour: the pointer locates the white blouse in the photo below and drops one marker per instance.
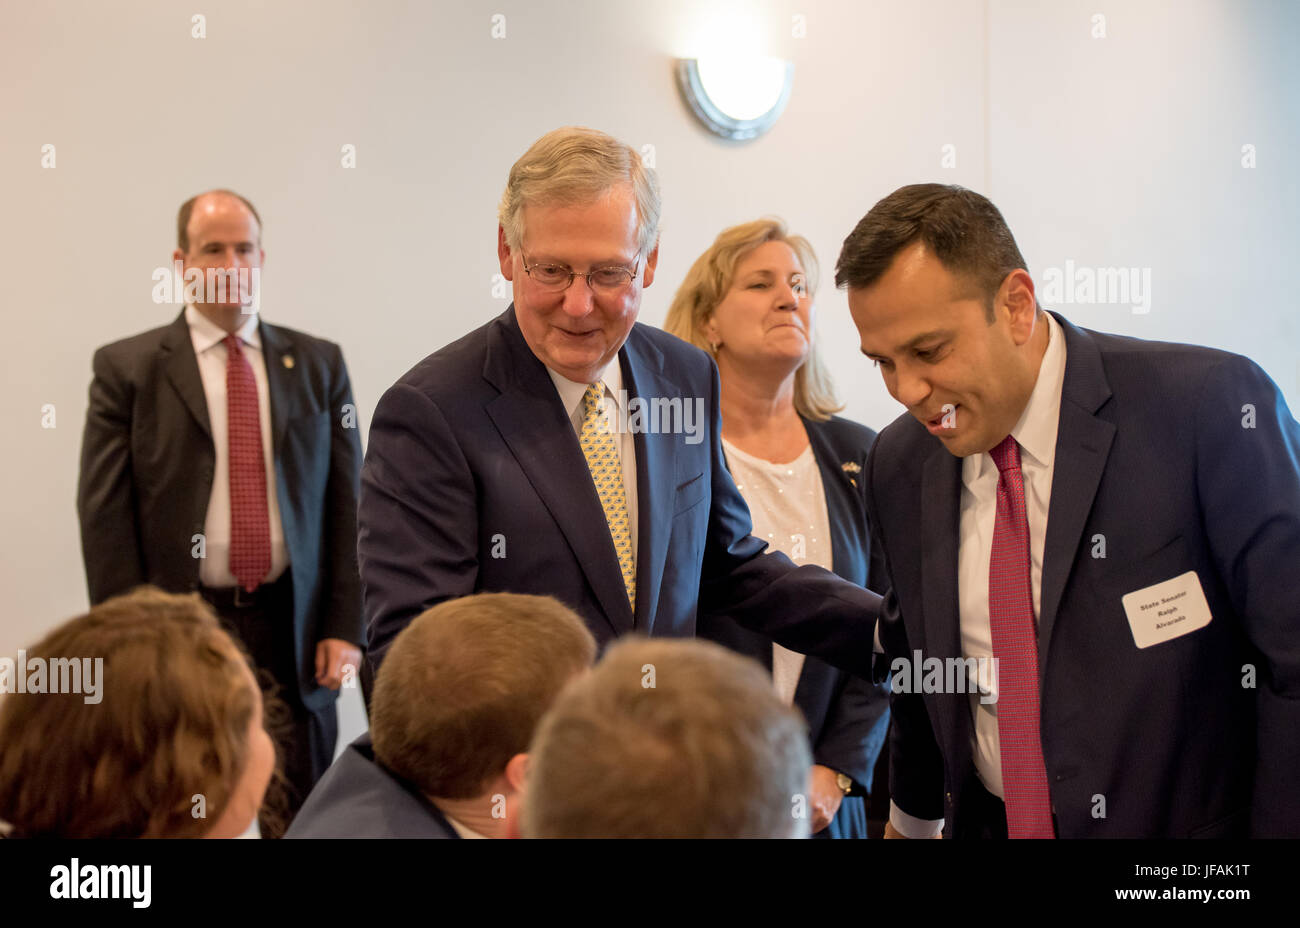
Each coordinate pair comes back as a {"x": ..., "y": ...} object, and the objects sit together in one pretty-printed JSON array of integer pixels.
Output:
[{"x": 788, "y": 507}]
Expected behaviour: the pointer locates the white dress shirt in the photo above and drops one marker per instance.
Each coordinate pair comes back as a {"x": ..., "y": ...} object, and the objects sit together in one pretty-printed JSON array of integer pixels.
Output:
[
  {"x": 1035, "y": 432},
  {"x": 788, "y": 506},
  {"x": 208, "y": 339},
  {"x": 571, "y": 394}
]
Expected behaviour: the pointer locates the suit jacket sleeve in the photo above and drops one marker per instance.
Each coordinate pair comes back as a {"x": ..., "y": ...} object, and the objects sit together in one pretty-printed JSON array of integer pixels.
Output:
[
  {"x": 806, "y": 609},
  {"x": 343, "y": 614},
  {"x": 106, "y": 509},
  {"x": 417, "y": 519},
  {"x": 855, "y": 730},
  {"x": 915, "y": 762},
  {"x": 1248, "y": 468}
]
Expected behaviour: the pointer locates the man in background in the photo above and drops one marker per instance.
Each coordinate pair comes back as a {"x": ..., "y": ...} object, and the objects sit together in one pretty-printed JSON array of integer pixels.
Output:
[{"x": 221, "y": 454}]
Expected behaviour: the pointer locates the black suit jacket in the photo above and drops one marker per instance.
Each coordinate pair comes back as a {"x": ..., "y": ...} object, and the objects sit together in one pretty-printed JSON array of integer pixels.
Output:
[
  {"x": 847, "y": 715},
  {"x": 147, "y": 461},
  {"x": 358, "y": 797},
  {"x": 1177, "y": 458},
  {"x": 474, "y": 481}
]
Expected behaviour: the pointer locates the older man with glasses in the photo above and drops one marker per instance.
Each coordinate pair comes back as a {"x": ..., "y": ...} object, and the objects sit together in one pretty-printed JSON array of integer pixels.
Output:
[{"x": 553, "y": 452}]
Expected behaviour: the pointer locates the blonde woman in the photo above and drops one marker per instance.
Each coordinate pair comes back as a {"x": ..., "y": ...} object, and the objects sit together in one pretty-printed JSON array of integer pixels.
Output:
[{"x": 748, "y": 302}]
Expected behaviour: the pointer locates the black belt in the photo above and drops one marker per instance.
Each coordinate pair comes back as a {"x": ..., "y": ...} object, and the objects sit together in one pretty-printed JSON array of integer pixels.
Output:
[{"x": 234, "y": 598}]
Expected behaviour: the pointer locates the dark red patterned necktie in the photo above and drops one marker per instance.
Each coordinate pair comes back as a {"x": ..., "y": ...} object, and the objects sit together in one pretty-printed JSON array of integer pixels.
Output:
[
  {"x": 1015, "y": 646},
  {"x": 250, "y": 525}
]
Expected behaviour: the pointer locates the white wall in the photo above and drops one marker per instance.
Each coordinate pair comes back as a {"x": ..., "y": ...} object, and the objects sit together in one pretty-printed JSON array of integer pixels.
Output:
[
  {"x": 1114, "y": 151},
  {"x": 1126, "y": 151}
]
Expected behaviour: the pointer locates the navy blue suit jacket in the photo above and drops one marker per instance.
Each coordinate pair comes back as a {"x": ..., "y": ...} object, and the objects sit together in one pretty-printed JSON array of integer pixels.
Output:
[
  {"x": 847, "y": 716},
  {"x": 1179, "y": 458},
  {"x": 474, "y": 481},
  {"x": 358, "y": 798}
]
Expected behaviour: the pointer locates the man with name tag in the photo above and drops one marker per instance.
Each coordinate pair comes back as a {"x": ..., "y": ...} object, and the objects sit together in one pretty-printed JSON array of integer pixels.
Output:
[{"x": 1115, "y": 522}]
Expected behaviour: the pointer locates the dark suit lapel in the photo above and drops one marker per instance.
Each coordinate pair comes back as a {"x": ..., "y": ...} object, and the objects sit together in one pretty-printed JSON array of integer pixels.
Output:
[
  {"x": 939, "y": 523},
  {"x": 182, "y": 369},
  {"x": 1082, "y": 446},
  {"x": 940, "y": 528},
  {"x": 533, "y": 424},
  {"x": 838, "y": 511},
  {"x": 846, "y": 547},
  {"x": 655, "y": 475},
  {"x": 284, "y": 386},
  {"x": 282, "y": 379}
]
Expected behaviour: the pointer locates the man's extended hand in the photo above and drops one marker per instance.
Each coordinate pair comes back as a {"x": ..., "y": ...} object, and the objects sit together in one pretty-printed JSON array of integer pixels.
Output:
[
  {"x": 332, "y": 655},
  {"x": 826, "y": 797}
]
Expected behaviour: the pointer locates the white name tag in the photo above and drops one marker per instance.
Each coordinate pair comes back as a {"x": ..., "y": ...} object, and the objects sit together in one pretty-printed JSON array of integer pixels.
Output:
[{"x": 1167, "y": 610}]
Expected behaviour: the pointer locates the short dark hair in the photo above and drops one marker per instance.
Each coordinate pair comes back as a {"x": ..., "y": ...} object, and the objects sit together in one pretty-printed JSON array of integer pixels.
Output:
[
  {"x": 963, "y": 229},
  {"x": 183, "y": 217}
]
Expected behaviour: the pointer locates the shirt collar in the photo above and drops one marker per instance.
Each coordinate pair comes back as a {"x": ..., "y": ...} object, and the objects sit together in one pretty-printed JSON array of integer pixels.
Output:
[
  {"x": 205, "y": 333},
  {"x": 1036, "y": 429},
  {"x": 571, "y": 392},
  {"x": 463, "y": 830}
]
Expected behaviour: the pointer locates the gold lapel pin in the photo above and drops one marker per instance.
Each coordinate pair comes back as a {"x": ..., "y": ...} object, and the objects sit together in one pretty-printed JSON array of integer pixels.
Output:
[{"x": 288, "y": 361}]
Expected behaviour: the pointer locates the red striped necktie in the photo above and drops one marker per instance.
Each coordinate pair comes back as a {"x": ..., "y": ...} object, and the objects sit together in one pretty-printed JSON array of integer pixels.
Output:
[
  {"x": 1015, "y": 646},
  {"x": 250, "y": 524}
]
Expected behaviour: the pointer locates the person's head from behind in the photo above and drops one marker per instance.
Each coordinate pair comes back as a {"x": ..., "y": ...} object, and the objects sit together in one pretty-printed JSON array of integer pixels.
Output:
[
  {"x": 460, "y": 693},
  {"x": 669, "y": 739},
  {"x": 172, "y": 744},
  {"x": 748, "y": 301},
  {"x": 943, "y": 304},
  {"x": 578, "y": 202}
]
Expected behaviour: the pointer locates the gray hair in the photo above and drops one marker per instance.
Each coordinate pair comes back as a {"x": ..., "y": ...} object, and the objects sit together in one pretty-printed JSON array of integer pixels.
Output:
[{"x": 572, "y": 166}]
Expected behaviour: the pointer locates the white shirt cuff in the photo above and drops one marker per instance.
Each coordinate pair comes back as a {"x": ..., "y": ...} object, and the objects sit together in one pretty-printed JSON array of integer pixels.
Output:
[{"x": 909, "y": 826}]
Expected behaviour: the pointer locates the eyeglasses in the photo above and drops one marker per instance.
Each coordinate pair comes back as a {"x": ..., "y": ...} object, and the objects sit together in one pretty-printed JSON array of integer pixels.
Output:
[{"x": 556, "y": 277}]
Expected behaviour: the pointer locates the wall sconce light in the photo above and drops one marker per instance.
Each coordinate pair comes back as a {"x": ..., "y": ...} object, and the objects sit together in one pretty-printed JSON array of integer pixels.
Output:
[{"x": 736, "y": 97}]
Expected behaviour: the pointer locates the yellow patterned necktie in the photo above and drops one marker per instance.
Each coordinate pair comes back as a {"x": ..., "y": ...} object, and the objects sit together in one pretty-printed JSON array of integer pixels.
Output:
[{"x": 607, "y": 472}]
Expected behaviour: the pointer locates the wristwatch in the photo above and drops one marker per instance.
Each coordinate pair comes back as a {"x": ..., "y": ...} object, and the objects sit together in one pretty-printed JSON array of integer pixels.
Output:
[{"x": 844, "y": 782}]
